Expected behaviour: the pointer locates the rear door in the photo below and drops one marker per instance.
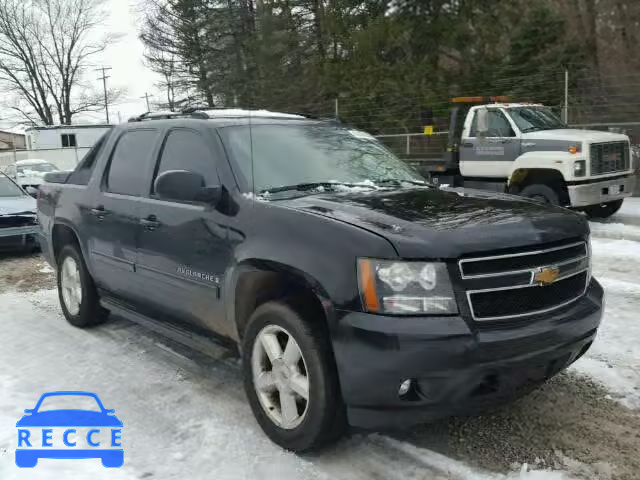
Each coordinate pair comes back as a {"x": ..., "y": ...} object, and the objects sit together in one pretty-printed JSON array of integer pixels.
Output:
[
  {"x": 183, "y": 247},
  {"x": 490, "y": 156},
  {"x": 112, "y": 214}
]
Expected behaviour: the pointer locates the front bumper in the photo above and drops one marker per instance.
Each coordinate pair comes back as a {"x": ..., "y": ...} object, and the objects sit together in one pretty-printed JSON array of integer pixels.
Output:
[
  {"x": 456, "y": 368},
  {"x": 18, "y": 237},
  {"x": 601, "y": 192}
]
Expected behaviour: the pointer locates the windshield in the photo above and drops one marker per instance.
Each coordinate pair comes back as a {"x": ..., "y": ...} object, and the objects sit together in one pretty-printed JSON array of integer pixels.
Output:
[
  {"x": 285, "y": 155},
  {"x": 530, "y": 119},
  {"x": 9, "y": 189},
  {"x": 37, "y": 167}
]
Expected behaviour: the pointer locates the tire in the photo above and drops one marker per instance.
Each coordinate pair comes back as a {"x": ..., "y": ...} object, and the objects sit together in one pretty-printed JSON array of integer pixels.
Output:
[
  {"x": 88, "y": 311},
  {"x": 542, "y": 193},
  {"x": 321, "y": 418},
  {"x": 604, "y": 210}
]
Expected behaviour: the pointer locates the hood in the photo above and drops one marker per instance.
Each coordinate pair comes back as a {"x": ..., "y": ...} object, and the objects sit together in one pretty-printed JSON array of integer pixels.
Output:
[
  {"x": 69, "y": 418},
  {"x": 16, "y": 205},
  {"x": 438, "y": 223},
  {"x": 574, "y": 134}
]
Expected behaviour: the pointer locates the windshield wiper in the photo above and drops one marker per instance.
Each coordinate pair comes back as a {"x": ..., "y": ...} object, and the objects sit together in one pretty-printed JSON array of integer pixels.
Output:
[
  {"x": 398, "y": 182},
  {"x": 303, "y": 187}
]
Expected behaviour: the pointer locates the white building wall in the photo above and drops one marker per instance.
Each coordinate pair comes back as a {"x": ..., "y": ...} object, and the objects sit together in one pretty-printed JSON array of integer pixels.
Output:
[{"x": 45, "y": 138}]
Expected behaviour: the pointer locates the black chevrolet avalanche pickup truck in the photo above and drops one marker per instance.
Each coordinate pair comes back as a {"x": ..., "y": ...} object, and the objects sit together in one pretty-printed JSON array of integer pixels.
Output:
[{"x": 355, "y": 292}]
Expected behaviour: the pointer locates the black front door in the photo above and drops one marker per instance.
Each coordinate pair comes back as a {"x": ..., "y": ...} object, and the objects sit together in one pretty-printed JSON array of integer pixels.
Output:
[{"x": 183, "y": 248}]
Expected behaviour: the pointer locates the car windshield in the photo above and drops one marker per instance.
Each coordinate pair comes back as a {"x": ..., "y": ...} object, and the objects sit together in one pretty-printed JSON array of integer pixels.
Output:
[
  {"x": 69, "y": 402},
  {"x": 316, "y": 155},
  {"x": 9, "y": 189},
  {"x": 37, "y": 167},
  {"x": 531, "y": 119}
]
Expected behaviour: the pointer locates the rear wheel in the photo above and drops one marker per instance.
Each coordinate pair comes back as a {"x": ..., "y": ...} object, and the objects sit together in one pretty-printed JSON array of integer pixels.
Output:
[
  {"x": 541, "y": 193},
  {"x": 290, "y": 378},
  {"x": 77, "y": 292},
  {"x": 603, "y": 210}
]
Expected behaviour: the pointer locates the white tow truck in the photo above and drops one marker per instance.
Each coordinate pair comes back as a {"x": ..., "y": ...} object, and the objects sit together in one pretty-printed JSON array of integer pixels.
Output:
[{"x": 525, "y": 149}]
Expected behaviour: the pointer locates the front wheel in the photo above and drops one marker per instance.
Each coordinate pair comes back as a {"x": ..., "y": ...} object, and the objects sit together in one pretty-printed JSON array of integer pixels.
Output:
[
  {"x": 541, "y": 193},
  {"x": 603, "y": 210},
  {"x": 290, "y": 378},
  {"x": 77, "y": 293}
]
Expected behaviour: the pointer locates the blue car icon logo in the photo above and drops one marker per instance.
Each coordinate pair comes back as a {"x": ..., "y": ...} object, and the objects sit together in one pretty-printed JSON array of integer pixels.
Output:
[{"x": 45, "y": 432}]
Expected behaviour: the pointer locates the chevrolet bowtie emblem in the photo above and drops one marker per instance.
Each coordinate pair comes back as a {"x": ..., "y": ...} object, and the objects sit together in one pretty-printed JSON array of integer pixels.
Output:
[{"x": 546, "y": 275}]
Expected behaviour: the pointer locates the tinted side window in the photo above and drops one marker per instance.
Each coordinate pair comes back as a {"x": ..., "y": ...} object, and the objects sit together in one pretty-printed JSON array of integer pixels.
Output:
[
  {"x": 83, "y": 171},
  {"x": 187, "y": 150},
  {"x": 127, "y": 170}
]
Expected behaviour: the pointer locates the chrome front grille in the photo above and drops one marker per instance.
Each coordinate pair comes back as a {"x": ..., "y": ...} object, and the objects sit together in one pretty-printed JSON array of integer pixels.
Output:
[
  {"x": 609, "y": 157},
  {"x": 525, "y": 283}
]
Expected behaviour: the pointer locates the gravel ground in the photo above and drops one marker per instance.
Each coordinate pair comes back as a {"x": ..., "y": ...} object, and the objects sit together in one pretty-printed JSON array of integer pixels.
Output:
[{"x": 25, "y": 272}]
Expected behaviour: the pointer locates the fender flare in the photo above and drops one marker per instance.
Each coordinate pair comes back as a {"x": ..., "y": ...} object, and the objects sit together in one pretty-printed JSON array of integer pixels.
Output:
[
  {"x": 561, "y": 162},
  {"x": 254, "y": 264}
]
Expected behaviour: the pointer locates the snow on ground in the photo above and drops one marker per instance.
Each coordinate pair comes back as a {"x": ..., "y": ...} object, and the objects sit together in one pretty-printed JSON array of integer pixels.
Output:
[
  {"x": 183, "y": 418},
  {"x": 614, "y": 358}
]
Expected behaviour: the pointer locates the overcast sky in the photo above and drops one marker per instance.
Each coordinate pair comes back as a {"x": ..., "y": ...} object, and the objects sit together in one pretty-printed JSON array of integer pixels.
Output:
[{"x": 125, "y": 59}]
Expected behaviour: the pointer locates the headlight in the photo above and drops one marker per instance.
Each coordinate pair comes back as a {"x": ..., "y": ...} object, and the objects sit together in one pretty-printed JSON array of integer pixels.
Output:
[
  {"x": 579, "y": 168},
  {"x": 405, "y": 288}
]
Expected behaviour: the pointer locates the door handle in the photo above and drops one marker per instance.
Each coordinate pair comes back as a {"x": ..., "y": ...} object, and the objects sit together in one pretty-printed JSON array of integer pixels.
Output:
[
  {"x": 99, "y": 212},
  {"x": 506, "y": 140},
  {"x": 467, "y": 145},
  {"x": 150, "y": 223},
  {"x": 528, "y": 144}
]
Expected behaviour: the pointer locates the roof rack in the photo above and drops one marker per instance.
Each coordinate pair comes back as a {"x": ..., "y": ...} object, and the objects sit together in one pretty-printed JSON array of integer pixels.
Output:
[
  {"x": 207, "y": 113},
  {"x": 166, "y": 115}
]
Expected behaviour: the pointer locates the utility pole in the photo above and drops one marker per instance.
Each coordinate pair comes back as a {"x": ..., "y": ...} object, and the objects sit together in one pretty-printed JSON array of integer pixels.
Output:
[
  {"x": 565, "y": 108},
  {"x": 104, "y": 84},
  {"x": 146, "y": 97}
]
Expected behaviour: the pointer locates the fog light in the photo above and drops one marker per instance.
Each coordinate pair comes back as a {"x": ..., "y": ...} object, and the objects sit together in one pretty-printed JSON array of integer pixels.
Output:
[{"x": 404, "y": 387}]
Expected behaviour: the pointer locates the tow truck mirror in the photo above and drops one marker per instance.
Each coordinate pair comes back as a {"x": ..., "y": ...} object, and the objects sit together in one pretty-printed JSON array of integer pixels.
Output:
[
  {"x": 482, "y": 124},
  {"x": 186, "y": 186}
]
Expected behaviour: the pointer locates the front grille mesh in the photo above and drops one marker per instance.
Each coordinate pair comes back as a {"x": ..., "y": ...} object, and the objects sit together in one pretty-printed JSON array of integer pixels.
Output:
[
  {"x": 495, "y": 292},
  {"x": 609, "y": 157},
  {"x": 527, "y": 300}
]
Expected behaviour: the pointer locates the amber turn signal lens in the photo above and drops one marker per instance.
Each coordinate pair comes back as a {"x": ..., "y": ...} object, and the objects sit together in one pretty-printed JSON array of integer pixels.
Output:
[
  {"x": 573, "y": 150},
  {"x": 367, "y": 280}
]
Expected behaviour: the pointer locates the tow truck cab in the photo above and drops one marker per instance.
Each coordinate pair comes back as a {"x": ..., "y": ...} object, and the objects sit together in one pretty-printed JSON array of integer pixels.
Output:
[{"x": 525, "y": 149}]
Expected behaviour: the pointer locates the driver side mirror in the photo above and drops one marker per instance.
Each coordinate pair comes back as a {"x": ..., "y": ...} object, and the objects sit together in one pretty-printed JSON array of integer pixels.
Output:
[
  {"x": 32, "y": 191},
  {"x": 482, "y": 126},
  {"x": 186, "y": 186}
]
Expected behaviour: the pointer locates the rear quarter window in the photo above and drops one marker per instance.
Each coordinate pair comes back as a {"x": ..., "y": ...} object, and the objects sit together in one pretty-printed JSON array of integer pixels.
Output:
[{"x": 84, "y": 170}]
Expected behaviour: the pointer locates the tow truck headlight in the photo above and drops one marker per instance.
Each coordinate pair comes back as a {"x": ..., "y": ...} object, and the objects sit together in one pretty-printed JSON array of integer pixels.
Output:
[
  {"x": 579, "y": 168},
  {"x": 405, "y": 288}
]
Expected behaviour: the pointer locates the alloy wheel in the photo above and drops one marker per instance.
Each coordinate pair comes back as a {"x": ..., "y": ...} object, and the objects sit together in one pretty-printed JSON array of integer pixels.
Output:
[{"x": 280, "y": 377}]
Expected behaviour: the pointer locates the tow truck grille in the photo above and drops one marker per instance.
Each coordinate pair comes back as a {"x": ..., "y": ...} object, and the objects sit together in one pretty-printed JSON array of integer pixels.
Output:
[
  {"x": 525, "y": 283},
  {"x": 609, "y": 157}
]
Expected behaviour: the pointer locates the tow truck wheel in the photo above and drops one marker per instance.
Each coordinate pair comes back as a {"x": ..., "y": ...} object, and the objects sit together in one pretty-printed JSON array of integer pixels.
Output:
[
  {"x": 604, "y": 210},
  {"x": 77, "y": 293},
  {"x": 290, "y": 378},
  {"x": 542, "y": 193}
]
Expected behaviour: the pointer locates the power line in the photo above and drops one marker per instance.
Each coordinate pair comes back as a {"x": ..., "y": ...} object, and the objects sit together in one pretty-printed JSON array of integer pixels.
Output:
[{"x": 104, "y": 84}]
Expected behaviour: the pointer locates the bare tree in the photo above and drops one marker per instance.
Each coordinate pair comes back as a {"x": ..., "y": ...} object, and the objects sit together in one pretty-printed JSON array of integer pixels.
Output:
[{"x": 45, "y": 46}]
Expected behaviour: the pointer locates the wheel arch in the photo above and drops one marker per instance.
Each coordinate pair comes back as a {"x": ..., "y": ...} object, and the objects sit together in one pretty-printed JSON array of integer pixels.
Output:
[
  {"x": 553, "y": 177},
  {"x": 256, "y": 281},
  {"x": 63, "y": 233}
]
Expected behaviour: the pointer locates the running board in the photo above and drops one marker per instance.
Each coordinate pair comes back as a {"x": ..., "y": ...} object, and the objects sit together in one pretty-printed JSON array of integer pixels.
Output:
[{"x": 208, "y": 345}]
